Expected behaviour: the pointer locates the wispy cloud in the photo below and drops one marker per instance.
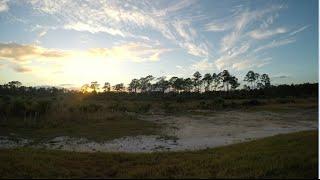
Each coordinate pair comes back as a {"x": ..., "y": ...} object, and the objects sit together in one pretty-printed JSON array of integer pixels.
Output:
[
  {"x": 42, "y": 33},
  {"x": 218, "y": 26},
  {"x": 281, "y": 76},
  {"x": 4, "y": 5},
  {"x": 137, "y": 52},
  {"x": 203, "y": 65},
  {"x": 21, "y": 52},
  {"x": 118, "y": 18},
  {"x": 275, "y": 43},
  {"x": 299, "y": 30},
  {"x": 264, "y": 34},
  {"x": 234, "y": 55},
  {"x": 243, "y": 29},
  {"x": 21, "y": 69},
  {"x": 141, "y": 30},
  {"x": 269, "y": 21},
  {"x": 251, "y": 63},
  {"x": 242, "y": 19},
  {"x": 79, "y": 26}
]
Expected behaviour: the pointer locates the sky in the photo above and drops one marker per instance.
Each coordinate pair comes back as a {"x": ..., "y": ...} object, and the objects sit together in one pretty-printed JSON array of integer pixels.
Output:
[{"x": 72, "y": 42}]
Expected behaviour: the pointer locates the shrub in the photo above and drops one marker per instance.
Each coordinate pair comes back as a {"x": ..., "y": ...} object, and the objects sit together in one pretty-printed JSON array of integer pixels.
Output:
[
  {"x": 142, "y": 108},
  {"x": 17, "y": 107},
  {"x": 43, "y": 106},
  {"x": 118, "y": 107},
  {"x": 90, "y": 108},
  {"x": 218, "y": 103},
  {"x": 205, "y": 105},
  {"x": 285, "y": 100},
  {"x": 253, "y": 102},
  {"x": 167, "y": 107}
]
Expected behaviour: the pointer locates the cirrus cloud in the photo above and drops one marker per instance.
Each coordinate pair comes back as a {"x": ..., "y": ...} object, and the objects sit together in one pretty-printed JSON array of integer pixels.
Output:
[
  {"x": 264, "y": 34},
  {"x": 137, "y": 52}
]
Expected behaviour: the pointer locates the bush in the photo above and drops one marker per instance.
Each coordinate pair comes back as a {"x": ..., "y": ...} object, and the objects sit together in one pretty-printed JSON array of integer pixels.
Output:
[
  {"x": 43, "y": 106},
  {"x": 180, "y": 100},
  {"x": 90, "y": 108},
  {"x": 285, "y": 100},
  {"x": 167, "y": 107},
  {"x": 142, "y": 108},
  {"x": 205, "y": 105},
  {"x": 253, "y": 102},
  {"x": 118, "y": 107},
  {"x": 218, "y": 103},
  {"x": 17, "y": 107}
]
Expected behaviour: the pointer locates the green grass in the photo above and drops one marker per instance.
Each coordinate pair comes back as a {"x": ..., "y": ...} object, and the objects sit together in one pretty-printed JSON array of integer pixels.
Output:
[
  {"x": 97, "y": 126},
  {"x": 283, "y": 156}
]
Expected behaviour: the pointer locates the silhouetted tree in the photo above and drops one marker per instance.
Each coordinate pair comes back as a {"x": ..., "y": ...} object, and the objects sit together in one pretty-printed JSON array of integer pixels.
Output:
[
  {"x": 215, "y": 81},
  {"x": 225, "y": 78},
  {"x": 207, "y": 79},
  {"x": 14, "y": 84},
  {"x": 250, "y": 78},
  {"x": 264, "y": 81},
  {"x": 134, "y": 85},
  {"x": 145, "y": 83},
  {"x": 94, "y": 86},
  {"x": 162, "y": 84},
  {"x": 187, "y": 84},
  {"x": 197, "y": 81},
  {"x": 106, "y": 87},
  {"x": 257, "y": 79},
  {"x": 179, "y": 84},
  {"x": 85, "y": 88},
  {"x": 119, "y": 87},
  {"x": 234, "y": 82},
  {"x": 172, "y": 84}
]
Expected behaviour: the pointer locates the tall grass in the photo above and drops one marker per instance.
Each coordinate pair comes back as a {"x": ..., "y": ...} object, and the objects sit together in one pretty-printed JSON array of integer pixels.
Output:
[{"x": 283, "y": 156}]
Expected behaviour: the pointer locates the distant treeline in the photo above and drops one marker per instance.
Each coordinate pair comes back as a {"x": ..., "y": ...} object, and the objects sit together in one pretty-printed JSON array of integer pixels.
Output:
[
  {"x": 222, "y": 81},
  {"x": 210, "y": 86}
]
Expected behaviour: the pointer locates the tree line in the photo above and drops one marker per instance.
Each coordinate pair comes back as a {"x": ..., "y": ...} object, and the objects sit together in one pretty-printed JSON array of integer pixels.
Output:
[
  {"x": 254, "y": 90},
  {"x": 222, "y": 81}
]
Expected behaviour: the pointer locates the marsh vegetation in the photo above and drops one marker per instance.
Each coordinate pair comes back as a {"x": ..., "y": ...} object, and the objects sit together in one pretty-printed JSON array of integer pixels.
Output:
[{"x": 149, "y": 119}]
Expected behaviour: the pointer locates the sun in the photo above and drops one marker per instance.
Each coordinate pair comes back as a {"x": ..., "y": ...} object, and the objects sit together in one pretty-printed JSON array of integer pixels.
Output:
[{"x": 83, "y": 68}]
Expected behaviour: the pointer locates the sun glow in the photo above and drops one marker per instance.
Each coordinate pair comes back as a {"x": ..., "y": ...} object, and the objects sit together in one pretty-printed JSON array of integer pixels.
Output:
[{"x": 84, "y": 68}]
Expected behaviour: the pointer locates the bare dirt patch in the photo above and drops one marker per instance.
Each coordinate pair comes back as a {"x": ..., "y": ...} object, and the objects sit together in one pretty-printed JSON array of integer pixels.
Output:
[{"x": 190, "y": 132}]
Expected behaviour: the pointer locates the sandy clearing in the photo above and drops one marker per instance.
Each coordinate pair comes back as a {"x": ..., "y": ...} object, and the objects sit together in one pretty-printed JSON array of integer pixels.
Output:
[{"x": 190, "y": 132}]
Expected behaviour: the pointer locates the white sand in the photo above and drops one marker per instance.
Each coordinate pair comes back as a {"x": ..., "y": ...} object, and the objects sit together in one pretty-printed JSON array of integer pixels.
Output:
[{"x": 190, "y": 132}]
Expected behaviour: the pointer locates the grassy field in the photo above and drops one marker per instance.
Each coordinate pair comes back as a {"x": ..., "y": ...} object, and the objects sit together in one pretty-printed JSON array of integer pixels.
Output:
[
  {"x": 102, "y": 118},
  {"x": 97, "y": 127},
  {"x": 283, "y": 156}
]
